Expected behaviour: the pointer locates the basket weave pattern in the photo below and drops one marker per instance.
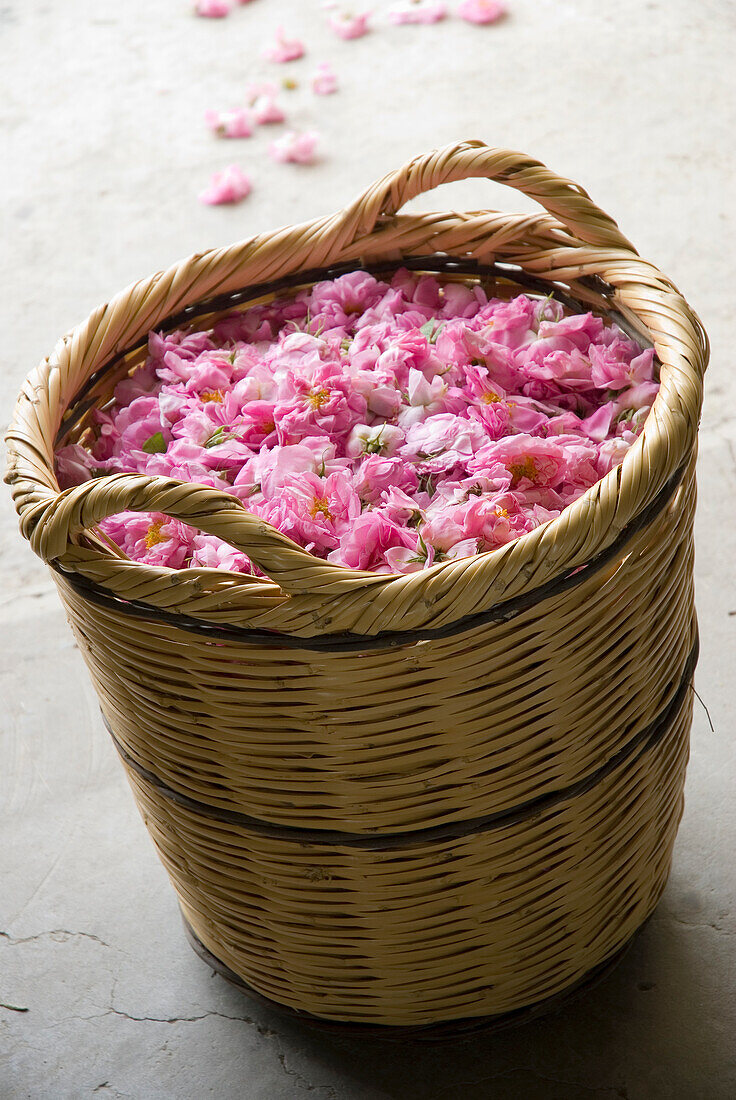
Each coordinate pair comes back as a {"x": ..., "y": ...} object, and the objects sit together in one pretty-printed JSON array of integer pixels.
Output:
[{"x": 364, "y": 823}]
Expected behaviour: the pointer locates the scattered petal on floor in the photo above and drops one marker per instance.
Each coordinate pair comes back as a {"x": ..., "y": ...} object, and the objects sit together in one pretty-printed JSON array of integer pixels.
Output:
[
  {"x": 347, "y": 25},
  {"x": 418, "y": 12},
  {"x": 284, "y": 49},
  {"x": 212, "y": 9},
  {"x": 482, "y": 11},
  {"x": 237, "y": 123},
  {"x": 267, "y": 110},
  {"x": 324, "y": 81},
  {"x": 229, "y": 185},
  {"x": 296, "y": 147}
]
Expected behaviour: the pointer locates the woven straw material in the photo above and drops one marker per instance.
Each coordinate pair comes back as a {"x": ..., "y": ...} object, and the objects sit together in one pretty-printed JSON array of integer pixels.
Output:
[
  {"x": 477, "y": 926},
  {"x": 396, "y": 799},
  {"x": 420, "y": 735}
]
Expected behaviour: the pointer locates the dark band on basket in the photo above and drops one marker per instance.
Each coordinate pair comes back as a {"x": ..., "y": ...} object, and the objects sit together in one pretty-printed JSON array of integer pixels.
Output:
[
  {"x": 641, "y": 742},
  {"x": 449, "y": 1030},
  {"x": 360, "y": 643}
]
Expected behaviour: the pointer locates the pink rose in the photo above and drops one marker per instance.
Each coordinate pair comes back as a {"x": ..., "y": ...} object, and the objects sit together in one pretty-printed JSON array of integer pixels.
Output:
[
  {"x": 269, "y": 470},
  {"x": 212, "y": 9},
  {"x": 340, "y": 301},
  {"x": 324, "y": 81},
  {"x": 611, "y": 453},
  {"x": 314, "y": 511},
  {"x": 229, "y": 185},
  {"x": 209, "y": 552},
  {"x": 349, "y": 26},
  {"x": 237, "y": 123},
  {"x": 324, "y": 405},
  {"x": 442, "y": 442},
  {"x": 283, "y": 49},
  {"x": 377, "y": 474},
  {"x": 370, "y": 536},
  {"x": 418, "y": 11},
  {"x": 378, "y": 389},
  {"x": 481, "y": 11},
  {"x": 74, "y": 465},
  {"x": 151, "y": 538},
  {"x": 426, "y": 397},
  {"x": 613, "y": 367},
  {"x": 527, "y": 460},
  {"x": 383, "y": 439},
  {"x": 266, "y": 110},
  {"x": 295, "y": 147},
  {"x": 494, "y": 418}
]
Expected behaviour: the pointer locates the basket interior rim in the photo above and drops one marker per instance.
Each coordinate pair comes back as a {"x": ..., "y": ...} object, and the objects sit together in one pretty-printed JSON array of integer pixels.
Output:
[{"x": 599, "y": 296}]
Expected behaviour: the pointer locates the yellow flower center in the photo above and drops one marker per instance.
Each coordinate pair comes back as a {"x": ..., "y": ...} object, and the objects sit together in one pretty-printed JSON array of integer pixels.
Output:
[
  {"x": 523, "y": 468},
  {"x": 490, "y": 398},
  {"x": 318, "y": 398},
  {"x": 212, "y": 395},
  {"x": 153, "y": 534},
  {"x": 268, "y": 426},
  {"x": 321, "y": 506},
  {"x": 501, "y": 512}
]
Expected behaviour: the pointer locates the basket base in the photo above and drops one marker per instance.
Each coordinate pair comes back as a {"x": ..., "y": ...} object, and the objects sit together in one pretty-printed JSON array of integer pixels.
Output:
[{"x": 452, "y": 1029}]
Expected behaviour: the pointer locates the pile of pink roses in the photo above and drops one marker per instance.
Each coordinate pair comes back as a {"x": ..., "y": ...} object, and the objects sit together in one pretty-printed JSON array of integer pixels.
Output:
[{"x": 382, "y": 426}]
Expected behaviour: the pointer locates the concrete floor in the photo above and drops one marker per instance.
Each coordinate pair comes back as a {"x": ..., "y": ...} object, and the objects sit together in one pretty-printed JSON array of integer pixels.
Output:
[{"x": 105, "y": 152}]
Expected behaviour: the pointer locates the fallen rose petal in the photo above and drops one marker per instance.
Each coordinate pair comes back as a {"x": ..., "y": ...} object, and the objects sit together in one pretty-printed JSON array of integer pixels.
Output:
[
  {"x": 324, "y": 81},
  {"x": 230, "y": 124},
  {"x": 349, "y": 26},
  {"x": 284, "y": 49},
  {"x": 418, "y": 12},
  {"x": 266, "y": 110},
  {"x": 229, "y": 185},
  {"x": 481, "y": 11},
  {"x": 295, "y": 147},
  {"x": 212, "y": 9}
]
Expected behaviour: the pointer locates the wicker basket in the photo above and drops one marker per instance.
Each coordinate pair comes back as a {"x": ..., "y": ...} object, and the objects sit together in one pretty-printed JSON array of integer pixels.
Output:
[{"x": 397, "y": 800}]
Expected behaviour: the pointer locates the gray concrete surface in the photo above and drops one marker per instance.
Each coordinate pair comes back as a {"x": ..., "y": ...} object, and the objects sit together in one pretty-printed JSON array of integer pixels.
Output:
[{"x": 103, "y": 153}]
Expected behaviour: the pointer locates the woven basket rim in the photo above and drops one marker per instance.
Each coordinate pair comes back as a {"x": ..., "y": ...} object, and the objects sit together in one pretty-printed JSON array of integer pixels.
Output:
[{"x": 306, "y": 595}]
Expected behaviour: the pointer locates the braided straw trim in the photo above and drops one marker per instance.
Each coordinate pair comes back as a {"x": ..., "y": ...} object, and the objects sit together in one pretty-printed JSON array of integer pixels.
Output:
[{"x": 307, "y": 596}]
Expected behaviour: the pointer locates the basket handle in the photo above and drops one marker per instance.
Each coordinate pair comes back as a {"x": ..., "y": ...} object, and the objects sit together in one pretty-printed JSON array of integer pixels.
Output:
[
  {"x": 473, "y": 159},
  {"x": 52, "y": 523}
]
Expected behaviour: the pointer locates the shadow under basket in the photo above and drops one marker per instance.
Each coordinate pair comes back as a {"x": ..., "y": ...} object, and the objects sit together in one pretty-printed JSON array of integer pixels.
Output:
[{"x": 397, "y": 804}]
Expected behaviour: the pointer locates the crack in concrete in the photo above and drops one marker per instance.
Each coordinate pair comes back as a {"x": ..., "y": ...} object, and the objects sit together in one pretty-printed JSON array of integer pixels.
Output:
[
  {"x": 301, "y": 1080},
  {"x": 188, "y": 1019},
  {"x": 703, "y": 924},
  {"x": 53, "y": 932},
  {"x": 114, "y": 1094},
  {"x": 261, "y": 1029},
  {"x": 664, "y": 918}
]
